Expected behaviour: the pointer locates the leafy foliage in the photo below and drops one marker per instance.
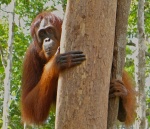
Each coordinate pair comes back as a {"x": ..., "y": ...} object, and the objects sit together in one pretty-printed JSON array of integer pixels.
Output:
[
  {"x": 5, "y": 2},
  {"x": 3, "y": 46},
  {"x": 19, "y": 48},
  {"x": 132, "y": 33}
]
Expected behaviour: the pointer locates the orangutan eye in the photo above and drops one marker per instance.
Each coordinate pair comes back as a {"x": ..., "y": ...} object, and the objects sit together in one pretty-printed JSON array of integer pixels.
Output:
[
  {"x": 50, "y": 30},
  {"x": 42, "y": 33}
]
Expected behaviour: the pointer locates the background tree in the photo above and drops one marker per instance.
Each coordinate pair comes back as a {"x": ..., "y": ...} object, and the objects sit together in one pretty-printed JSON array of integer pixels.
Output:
[
  {"x": 123, "y": 7},
  {"x": 8, "y": 69},
  {"x": 140, "y": 68},
  {"x": 141, "y": 32}
]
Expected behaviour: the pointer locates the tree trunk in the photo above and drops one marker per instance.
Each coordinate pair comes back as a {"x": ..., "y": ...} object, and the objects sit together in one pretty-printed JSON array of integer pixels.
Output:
[
  {"x": 123, "y": 7},
  {"x": 8, "y": 68},
  {"x": 140, "y": 69},
  {"x": 82, "y": 99}
]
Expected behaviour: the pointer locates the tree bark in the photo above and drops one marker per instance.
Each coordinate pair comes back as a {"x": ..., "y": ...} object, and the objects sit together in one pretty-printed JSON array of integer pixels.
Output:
[
  {"x": 140, "y": 69},
  {"x": 123, "y": 7},
  {"x": 8, "y": 68},
  {"x": 82, "y": 99}
]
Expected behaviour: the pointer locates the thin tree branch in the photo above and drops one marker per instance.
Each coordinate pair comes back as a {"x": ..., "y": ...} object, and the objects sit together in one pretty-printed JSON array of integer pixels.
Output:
[
  {"x": 4, "y": 10},
  {"x": 133, "y": 44}
]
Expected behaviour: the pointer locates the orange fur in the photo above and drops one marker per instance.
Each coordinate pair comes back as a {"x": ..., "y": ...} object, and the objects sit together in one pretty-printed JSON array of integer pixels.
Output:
[
  {"x": 40, "y": 75},
  {"x": 129, "y": 101},
  {"x": 37, "y": 97}
]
